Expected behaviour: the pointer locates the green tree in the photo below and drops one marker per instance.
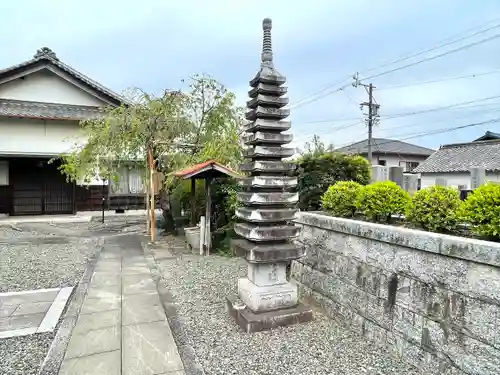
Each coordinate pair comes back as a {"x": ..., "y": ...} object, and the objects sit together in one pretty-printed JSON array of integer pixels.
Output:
[
  {"x": 434, "y": 208},
  {"x": 317, "y": 172},
  {"x": 123, "y": 134},
  {"x": 481, "y": 210},
  {"x": 216, "y": 122},
  {"x": 340, "y": 199},
  {"x": 380, "y": 200},
  {"x": 182, "y": 127},
  {"x": 316, "y": 147}
]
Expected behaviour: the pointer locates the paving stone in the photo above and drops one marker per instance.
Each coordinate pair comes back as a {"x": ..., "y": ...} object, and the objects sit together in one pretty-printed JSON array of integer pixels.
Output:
[
  {"x": 97, "y": 320},
  {"x": 7, "y": 310},
  {"x": 110, "y": 255},
  {"x": 149, "y": 349},
  {"x": 18, "y": 299},
  {"x": 136, "y": 259},
  {"x": 142, "y": 308},
  {"x": 109, "y": 266},
  {"x": 92, "y": 342},
  {"x": 104, "y": 291},
  {"x": 96, "y": 364},
  {"x": 92, "y": 305},
  {"x": 135, "y": 269},
  {"x": 32, "y": 308},
  {"x": 134, "y": 284},
  {"x": 105, "y": 278},
  {"x": 12, "y": 323}
]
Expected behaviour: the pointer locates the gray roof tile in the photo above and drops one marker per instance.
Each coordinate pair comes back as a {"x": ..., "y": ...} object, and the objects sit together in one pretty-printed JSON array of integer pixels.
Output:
[
  {"x": 386, "y": 146},
  {"x": 38, "y": 110},
  {"x": 46, "y": 56},
  {"x": 463, "y": 156}
]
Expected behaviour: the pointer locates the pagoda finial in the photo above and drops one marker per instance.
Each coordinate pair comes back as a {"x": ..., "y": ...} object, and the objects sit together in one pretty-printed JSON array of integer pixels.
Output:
[{"x": 267, "y": 44}]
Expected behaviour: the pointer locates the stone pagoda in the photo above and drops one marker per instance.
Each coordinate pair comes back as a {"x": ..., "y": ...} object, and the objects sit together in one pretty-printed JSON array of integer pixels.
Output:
[{"x": 267, "y": 207}]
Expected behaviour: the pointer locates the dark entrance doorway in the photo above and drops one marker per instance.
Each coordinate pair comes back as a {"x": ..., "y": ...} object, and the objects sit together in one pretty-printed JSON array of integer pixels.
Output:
[{"x": 38, "y": 188}]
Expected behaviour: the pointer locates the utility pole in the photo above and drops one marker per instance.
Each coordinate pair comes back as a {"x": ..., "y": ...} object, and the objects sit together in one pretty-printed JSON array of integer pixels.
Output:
[{"x": 372, "y": 112}]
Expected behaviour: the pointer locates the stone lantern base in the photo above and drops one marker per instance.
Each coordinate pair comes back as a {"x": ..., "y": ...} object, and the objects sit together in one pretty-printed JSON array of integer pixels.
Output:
[{"x": 256, "y": 322}]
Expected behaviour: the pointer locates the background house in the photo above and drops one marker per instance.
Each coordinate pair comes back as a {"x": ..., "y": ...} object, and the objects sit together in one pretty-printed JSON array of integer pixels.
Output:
[
  {"x": 390, "y": 153},
  {"x": 42, "y": 101},
  {"x": 453, "y": 162}
]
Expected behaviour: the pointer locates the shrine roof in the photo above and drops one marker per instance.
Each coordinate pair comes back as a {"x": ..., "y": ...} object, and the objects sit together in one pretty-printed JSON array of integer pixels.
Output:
[{"x": 209, "y": 168}]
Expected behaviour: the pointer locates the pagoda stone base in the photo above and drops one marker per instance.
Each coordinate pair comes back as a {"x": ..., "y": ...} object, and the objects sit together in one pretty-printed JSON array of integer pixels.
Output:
[
  {"x": 267, "y": 297},
  {"x": 250, "y": 321}
]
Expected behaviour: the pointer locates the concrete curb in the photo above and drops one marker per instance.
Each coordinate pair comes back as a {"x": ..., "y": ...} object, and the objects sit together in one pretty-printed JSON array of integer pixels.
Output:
[
  {"x": 55, "y": 355},
  {"x": 185, "y": 347}
]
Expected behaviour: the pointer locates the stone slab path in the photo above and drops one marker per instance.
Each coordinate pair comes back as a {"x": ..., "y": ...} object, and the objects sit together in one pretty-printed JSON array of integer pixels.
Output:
[
  {"x": 32, "y": 311},
  {"x": 122, "y": 327}
]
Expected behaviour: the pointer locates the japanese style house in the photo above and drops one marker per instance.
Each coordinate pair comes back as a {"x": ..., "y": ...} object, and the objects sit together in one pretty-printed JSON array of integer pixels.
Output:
[{"x": 42, "y": 102}]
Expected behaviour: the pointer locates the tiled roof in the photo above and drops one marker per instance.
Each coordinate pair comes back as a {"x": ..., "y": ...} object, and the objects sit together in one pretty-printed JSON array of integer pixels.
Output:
[
  {"x": 386, "y": 146},
  {"x": 38, "y": 110},
  {"x": 488, "y": 136},
  {"x": 45, "y": 57},
  {"x": 198, "y": 169},
  {"x": 463, "y": 156}
]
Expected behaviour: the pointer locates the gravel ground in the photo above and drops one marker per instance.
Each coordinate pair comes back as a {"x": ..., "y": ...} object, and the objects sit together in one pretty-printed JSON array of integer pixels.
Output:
[
  {"x": 42, "y": 259},
  {"x": 24, "y": 355},
  {"x": 199, "y": 287}
]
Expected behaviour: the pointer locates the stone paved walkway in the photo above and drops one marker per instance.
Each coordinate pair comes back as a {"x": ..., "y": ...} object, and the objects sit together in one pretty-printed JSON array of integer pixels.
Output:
[{"x": 122, "y": 327}]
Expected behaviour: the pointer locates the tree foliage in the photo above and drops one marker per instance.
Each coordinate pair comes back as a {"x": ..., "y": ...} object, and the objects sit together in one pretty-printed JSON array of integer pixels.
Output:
[
  {"x": 182, "y": 127},
  {"x": 317, "y": 172},
  {"x": 340, "y": 199},
  {"x": 316, "y": 147},
  {"x": 122, "y": 135},
  {"x": 434, "y": 208},
  {"x": 380, "y": 200},
  {"x": 481, "y": 210}
]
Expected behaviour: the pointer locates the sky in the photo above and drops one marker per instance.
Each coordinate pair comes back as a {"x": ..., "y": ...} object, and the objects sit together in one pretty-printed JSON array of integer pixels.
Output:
[{"x": 318, "y": 45}]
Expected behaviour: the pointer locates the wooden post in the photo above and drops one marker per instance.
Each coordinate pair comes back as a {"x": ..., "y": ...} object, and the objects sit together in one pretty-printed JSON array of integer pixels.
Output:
[
  {"x": 148, "y": 211},
  {"x": 208, "y": 212},
  {"x": 193, "y": 201},
  {"x": 152, "y": 194}
]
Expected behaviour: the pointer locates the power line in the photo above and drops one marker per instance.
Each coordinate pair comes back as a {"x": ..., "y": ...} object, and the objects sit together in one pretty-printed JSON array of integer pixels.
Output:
[
  {"x": 434, "y": 132},
  {"x": 440, "y": 108},
  {"x": 401, "y": 68},
  {"x": 404, "y": 114},
  {"x": 436, "y": 56},
  {"x": 402, "y": 58},
  {"x": 447, "y": 119},
  {"x": 440, "y": 80},
  {"x": 444, "y": 43}
]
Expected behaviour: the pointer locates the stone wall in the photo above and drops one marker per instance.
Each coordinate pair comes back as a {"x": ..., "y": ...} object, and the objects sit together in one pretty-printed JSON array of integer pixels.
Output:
[{"x": 432, "y": 300}]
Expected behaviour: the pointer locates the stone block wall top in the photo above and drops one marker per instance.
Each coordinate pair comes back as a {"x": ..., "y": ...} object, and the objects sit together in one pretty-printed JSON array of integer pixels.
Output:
[{"x": 479, "y": 251}]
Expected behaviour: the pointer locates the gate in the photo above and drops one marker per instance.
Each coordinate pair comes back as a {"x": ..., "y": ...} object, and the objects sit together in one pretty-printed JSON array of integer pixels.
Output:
[{"x": 38, "y": 188}]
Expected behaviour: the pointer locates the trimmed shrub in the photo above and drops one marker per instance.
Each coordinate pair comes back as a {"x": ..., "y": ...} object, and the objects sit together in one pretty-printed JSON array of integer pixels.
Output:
[
  {"x": 316, "y": 173},
  {"x": 435, "y": 208},
  {"x": 481, "y": 210},
  {"x": 380, "y": 200},
  {"x": 340, "y": 198}
]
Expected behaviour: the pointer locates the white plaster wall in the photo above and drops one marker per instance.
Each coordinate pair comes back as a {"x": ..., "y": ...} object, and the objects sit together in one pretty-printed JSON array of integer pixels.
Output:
[
  {"x": 45, "y": 86},
  {"x": 454, "y": 179},
  {"x": 397, "y": 160},
  {"x": 4, "y": 172},
  {"x": 38, "y": 137}
]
